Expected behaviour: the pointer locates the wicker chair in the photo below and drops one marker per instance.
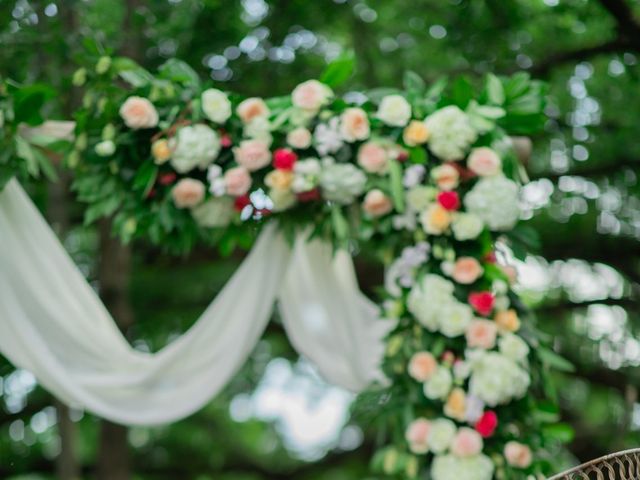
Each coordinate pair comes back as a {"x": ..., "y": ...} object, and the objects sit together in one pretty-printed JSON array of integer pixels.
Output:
[{"x": 617, "y": 466}]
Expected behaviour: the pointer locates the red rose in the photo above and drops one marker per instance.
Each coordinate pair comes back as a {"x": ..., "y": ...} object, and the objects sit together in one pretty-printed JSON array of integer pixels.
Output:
[
  {"x": 240, "y": 202},
  {"x": 449, "y": 200},
  {"x": 167, "y": 178},
  {"x": 490, "y": 257},
  {"x": 309, "y": 195},
  {"x": 487, "y": 424},
  {"x": 482, "y": 302},
  {"x": 284, "y": 159}
]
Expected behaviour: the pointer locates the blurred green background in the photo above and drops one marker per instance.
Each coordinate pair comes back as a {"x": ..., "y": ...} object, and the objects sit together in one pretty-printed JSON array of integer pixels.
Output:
[{"x": 278, "y": 419}]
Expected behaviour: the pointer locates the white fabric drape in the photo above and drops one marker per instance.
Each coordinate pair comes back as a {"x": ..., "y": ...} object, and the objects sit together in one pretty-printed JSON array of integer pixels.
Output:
[{"x": 53, "y": 324}]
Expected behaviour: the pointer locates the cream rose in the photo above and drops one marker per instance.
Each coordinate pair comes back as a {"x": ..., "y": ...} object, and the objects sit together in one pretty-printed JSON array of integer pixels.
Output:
[
  {"x": 518, "y": 455},
  {"x": 422, "y": 366},
  {"x": 237, "y": 181},
  {"x": 376, "y": 203},
  {"x": 416, "y": 133},
  {"x": 481, "y": 334},
  {"x": 456, "y": 406},
  {"x": 138, "y": 113},
  {"x": 446, "y": 176},
  {"x": 484, "y": 161},
  {"x": 466, "y": 270},
  {"x": 354, "y": 125},
  {"x": 507, "y": 320},
  {"x": 417, "y": 434},
  {"x": 435, "y": 220},
  {"x": 373, "y": 157},
  {"x": 299, "y": 138},
  {"x": 466, "y": 443},
  {"x": 252, "y": 108},
  {"x": 216, "y": 105},
  {"x": 252, "y": 154},
  {"x": 188, "y": 193},
  {"x": 394, "y": 110},
  {"x": 311, "y": 95},
  {"x": 279, "y": 180},
  {"x": 161, "y": 151}
]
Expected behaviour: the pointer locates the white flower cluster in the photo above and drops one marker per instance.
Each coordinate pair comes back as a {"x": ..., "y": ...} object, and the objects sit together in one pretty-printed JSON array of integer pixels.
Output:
[
  {"x": 495, "y": 201},
  {"x": 432, "y": 302},
  {"x": 451, "y": 133},
  {"x": 402, "y": 271},
  {"x": 342, "y": 182},
  {"x": 496, "y": 378},
  {"x": 194, "y": 146},
  {"x": 450, "y": 467}
]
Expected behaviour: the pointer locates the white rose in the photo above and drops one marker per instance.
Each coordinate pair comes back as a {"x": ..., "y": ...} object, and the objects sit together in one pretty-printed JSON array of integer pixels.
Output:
[
  {"x": 259, "y": 129},
  {"x": 311, "y": 95},
  {"x": 455, "y": 319},
  {"x": 216, "y": 105},
  {"x": 299, "y": 138},
  {"x": 440, "y": 436},
  {"x": 394, "y": 110},
  {"x": 466, "y": 226},
  {"x": 513, "y": 347},
  {"x": 194, "y": 146},
  {"x": 484, "y": 162},
  {"x": 439, "y": 385},
  {"x": 495, "y": 201}
]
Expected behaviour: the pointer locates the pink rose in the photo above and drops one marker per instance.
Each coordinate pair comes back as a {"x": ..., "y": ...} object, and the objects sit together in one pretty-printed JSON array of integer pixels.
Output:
[
  {"x": 422, "y": 366},
  {"x": 237, "y": 181},
  {"x": 518, "y": 455},
  {"x": 354, "y": 124},
  {"x": 446, "y": 176},
  {"x": 252, "y": 108},
  {"x": 377, "y": 203},
  {"x": 481, "y": 334},
  {"x": 311, "y": 95},
  {"x": 466, "y": 443},
  {"x": 416, "y": 435},
  {"x": 252, "y": 154},
  {"x": 299, "y": 138},
  {"x": 138, "y": 112},
  {"x": 188, "y": 193},
  {"x": 484, "y": 161},
  {"x": 466, "y": 270},
  {"x": 373, "y": 157}
]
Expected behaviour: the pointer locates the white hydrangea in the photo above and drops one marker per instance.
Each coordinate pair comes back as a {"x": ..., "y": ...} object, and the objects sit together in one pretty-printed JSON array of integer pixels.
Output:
[
  {"x": 306, "y": 175},
  {"x": 439, "y": 385},
  {"x": 440, "y": 435},
  {"x": 194, "y": 146},
  {"x": 342, "y": 182},
  {"x": 495, "y": 201},
  {"x": 327, "y": 137},
  {"x": 466, "y": 226},
  {"x": 513, "y": 347},
  {"x": 216, "y": 105},
  {"x": 259, "y": 129},
  {"x": 450, "y": 467},
  {"x": 427, "y": 298},
  {"x": 455, "y": 318},
  {"x": 451, "y": 133},
  {"x": 497, "y": 379},
  {"x": 216, "y": 212}
]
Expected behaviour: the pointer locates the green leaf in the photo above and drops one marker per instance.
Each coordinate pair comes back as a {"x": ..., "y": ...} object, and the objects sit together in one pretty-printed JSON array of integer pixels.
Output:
[
  {"x": 462, "y": 92},
  {"x": 553, "y": 360},
  {"x": 28, "y": 102},
  {"x": 145, "y": 177},
  {"x": 338, "y": 71},
  {"x": 179, "y": 72},
  {"x": 413, "y": 82},
  {"x": 101, "y": 209},
  {"x": 377, "y": 94},
  {"x": 45, "y": 165},
  {"x": 25, "y": 152},
  {"x": 561, "y": 432},
  {"x": 495, "y": 90},
  {"x": 418, "y": 155},
  {"x": 397, "y": 189},
  {"x": 340, "y": 224},
  {"x": 137, "y": 78},
  {"x": 437, "y": 88}
]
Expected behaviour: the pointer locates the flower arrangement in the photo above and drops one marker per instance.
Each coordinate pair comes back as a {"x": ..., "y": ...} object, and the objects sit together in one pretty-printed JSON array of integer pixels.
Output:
[{"x": 427, "y": 175}]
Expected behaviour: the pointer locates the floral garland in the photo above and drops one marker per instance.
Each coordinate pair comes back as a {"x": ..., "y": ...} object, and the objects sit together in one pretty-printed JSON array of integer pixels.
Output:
[{"x": 428, "y": 176}]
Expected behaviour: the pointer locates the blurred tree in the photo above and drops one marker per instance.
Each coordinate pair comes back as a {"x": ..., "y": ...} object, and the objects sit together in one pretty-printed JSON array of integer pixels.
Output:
[{"x": 583, "y": 201}]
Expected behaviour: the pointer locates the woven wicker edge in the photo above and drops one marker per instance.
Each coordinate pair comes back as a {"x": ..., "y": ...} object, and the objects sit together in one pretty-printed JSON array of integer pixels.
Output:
[{"x": 579, "y": 468}]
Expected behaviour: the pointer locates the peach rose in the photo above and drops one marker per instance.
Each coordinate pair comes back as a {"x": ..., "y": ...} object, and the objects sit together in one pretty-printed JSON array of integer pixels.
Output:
[
  {"x": 237, "y": 181},
  {"x": 138, "y": 112},
  {"x": 446, "y": 177},
  {"x": 279, "y": 179},
  {"x": 373, "y": 157},
  {"x": 422, "y": 366},
  {"x": 518, "y": 455},
  {"x": 188, "y": 193},
  {"x": 252, "y": 154},
  {"x": 466, "y": 443},
  {"x": 481, "y": 334},
  {"x": 507, "y": 320},
  {"x": 311, "y": 95},
  {"x": 484, "y": 161},
  {"x": 299, "y": 138},
  {"x": 466, "y": 270},
  {"x": 456, "y": 406},
  {"x": 161, "y": 151},
  {"x": 354, "y": 124},
  {"x": 416, "y": 133},
  {"x": 376, "y": 203},
  {"x": 252, "y": 108},
  {"x": 436, "y": 219},
  {"x": 416, "y": 435}
]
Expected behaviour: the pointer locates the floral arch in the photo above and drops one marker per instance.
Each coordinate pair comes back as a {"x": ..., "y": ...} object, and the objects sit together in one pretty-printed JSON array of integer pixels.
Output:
[{"x": 427, "y": 175}]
